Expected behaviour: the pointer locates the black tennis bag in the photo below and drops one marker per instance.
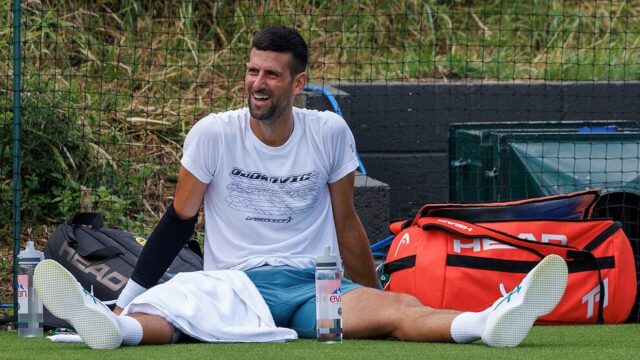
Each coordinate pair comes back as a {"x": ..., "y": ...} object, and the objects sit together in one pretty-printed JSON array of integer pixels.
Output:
[{"x": 102, "y": 259}]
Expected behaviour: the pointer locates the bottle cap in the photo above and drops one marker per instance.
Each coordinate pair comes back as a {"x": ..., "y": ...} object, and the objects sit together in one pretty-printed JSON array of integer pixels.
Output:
[
  {"x": 326, "y": 260},
  {"x": 30, "y": 255}
]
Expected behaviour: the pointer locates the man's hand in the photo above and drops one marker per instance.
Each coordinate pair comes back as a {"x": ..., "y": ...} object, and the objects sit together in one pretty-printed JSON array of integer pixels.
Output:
[{"x": 117, "y": 310}]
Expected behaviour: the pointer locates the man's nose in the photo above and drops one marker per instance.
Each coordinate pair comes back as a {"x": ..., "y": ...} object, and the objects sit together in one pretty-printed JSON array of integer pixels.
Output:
[{"x": 259, "y": 82}]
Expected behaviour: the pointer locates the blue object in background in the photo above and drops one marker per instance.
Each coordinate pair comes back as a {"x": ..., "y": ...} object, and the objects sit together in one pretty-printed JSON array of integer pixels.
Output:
[
  {"x": 336, "y": 109},
  {"x": 598, "y": 130}
]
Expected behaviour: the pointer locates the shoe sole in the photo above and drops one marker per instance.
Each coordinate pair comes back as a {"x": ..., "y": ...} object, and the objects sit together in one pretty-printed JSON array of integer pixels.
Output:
[
  {"x": 64, "y": 298},
  {"x": 546, "y": 286}
]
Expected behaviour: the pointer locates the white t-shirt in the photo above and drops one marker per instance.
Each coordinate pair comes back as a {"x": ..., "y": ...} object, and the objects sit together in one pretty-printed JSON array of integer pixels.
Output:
[{"x": 268, "y": 205}]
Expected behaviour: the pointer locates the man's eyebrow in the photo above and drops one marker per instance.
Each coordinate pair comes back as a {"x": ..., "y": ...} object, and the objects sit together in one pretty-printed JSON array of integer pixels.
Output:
[{"x": 268, "y": 71}]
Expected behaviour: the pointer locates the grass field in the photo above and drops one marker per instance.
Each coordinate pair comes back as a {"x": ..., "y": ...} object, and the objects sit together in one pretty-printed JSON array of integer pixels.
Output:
[{"x": 544, "y": 342}]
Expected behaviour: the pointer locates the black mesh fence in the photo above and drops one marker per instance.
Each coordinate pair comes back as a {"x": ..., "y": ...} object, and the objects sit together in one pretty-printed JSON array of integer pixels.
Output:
[{"x": 466, "y": 101}]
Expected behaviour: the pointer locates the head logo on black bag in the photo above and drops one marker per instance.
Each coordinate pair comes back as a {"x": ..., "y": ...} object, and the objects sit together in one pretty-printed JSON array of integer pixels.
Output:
[{"x": 102, "y": 259}]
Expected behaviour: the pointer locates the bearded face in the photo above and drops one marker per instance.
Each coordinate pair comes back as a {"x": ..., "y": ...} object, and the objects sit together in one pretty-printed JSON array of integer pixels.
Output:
[{"x": 269, "y": 84}]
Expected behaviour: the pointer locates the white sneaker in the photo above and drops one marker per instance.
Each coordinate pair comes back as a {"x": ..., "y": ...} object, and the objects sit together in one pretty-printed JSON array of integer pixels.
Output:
[
  {"x": 66, "y": 299},
  {"x": 513, "y": 315}
]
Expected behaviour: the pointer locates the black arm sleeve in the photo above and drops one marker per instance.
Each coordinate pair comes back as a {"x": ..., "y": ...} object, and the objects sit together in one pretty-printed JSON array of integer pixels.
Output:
[{"x": 162, "y": 247}]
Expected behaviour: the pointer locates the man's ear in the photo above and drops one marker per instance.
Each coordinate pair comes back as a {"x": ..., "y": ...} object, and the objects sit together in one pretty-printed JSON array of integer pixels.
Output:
[{"x": 299, "y": 82}]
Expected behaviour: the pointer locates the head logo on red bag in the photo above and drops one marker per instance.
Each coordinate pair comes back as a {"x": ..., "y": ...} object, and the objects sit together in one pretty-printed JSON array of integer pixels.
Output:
[{"x": 405, "y": 240}]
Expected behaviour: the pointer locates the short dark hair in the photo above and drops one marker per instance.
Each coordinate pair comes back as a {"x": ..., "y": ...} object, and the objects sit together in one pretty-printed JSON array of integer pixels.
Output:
[{"x": 284, "y": 39}]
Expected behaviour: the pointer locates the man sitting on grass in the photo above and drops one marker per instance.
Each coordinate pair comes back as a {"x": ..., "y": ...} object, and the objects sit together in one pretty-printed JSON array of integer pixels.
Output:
[{"x": 277, "y": 186}]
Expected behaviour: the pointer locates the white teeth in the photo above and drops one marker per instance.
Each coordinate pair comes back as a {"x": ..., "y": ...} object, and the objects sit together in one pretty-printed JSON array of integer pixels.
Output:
[{"x": 261, "y": 97}]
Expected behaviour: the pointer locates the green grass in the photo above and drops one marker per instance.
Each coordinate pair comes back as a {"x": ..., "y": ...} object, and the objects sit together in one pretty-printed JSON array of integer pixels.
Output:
[{"x": 544, "y": 342}]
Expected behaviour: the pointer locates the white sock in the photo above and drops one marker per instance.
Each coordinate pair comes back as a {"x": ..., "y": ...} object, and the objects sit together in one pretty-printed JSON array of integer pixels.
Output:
[
  {"x": 131, "y": 330},
  {"x": 467, "y": 327}
]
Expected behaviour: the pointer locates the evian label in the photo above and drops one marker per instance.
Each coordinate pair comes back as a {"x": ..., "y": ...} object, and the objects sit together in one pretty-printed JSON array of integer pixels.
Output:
[
  {"x": 329, "y": 298},
  {"x": 23, "y": 294}
]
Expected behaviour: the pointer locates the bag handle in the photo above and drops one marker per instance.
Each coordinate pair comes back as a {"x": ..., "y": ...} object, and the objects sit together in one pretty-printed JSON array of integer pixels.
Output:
[
  {"x": 466, "y": 229},
  {"x": 90, "y": 219},
  {"x": 385, "y": 270},
  {"x": 94, "y": 222}
]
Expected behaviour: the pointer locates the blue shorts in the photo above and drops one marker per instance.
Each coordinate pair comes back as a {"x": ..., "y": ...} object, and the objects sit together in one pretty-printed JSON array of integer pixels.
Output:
[{"x": 291, "y": 296}]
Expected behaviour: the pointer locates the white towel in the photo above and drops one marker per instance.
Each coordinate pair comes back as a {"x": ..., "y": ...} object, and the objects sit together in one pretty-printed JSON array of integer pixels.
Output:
[
  {"x": 213, "y": 306},
  {"x": 65, "y": 338}
]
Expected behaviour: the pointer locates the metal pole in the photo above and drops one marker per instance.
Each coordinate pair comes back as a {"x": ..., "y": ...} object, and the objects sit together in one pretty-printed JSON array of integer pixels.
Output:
[{"x": 17, "y": 100}]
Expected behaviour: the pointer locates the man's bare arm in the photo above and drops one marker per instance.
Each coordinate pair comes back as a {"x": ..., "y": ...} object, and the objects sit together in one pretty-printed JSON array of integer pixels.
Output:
[{"x": 352, "y": 239}]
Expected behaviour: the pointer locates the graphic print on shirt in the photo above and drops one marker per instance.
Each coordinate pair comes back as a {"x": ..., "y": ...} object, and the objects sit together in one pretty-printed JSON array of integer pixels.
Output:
[{"x": 272, "y": 199}]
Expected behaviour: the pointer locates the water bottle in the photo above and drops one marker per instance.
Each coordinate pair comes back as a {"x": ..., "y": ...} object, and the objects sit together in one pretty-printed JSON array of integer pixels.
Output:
[
  {"x": 30, "y": 316},
  {"x": 328, "y": 298}
]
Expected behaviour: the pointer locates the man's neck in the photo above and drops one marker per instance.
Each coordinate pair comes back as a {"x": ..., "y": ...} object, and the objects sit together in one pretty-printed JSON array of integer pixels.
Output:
[{"x": 273, "y": 132}]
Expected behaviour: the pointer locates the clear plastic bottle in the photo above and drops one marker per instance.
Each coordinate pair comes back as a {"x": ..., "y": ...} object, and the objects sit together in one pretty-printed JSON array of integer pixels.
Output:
[
  {"x": 328, "y": 298},
  {"x": 30, "y": 315}
]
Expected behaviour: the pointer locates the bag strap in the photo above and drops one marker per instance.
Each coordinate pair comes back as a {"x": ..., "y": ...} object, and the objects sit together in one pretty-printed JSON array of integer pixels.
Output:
[
  {"x": 467, "y": 229},
  {"x": 599, "y": 239},
  {"x": 604, "y": 235},
  {"x": 89, "y": 223},
  {"x": 386, "y": 269}
]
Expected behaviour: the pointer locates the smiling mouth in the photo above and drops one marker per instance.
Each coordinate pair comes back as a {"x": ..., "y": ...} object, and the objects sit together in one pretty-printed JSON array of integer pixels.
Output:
[{"x": 260, "y": 98}]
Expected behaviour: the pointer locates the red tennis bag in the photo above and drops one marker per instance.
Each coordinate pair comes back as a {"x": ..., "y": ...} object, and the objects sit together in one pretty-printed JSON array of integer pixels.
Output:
[{"x": 453, "y": 264}]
